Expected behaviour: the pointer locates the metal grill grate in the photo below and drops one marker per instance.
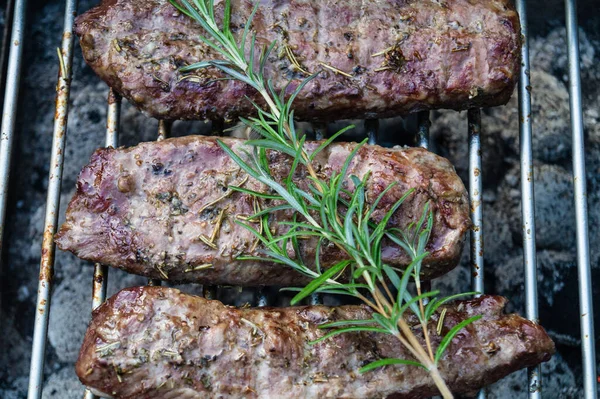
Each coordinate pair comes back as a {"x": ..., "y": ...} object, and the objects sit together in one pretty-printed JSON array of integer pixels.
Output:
[
  {"x": 475, "y": 188},
  {"x": 9, "y": 111}
]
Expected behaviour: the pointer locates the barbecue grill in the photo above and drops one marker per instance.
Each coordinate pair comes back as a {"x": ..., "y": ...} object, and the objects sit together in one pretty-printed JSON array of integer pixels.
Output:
[{"x": 14, "y": 41}]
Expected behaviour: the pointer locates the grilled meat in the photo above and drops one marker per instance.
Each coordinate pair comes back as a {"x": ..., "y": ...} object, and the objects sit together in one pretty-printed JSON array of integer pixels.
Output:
[
  {"x": 154, "y": 342},
  {"x": 378, "y": 58},
  {"x": 165, "y": 210}
]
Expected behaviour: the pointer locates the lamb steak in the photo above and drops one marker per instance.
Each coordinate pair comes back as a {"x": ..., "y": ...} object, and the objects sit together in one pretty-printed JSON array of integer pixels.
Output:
[
  {"x": 155, "y": 342},
  {"x": 165, "y": 210},
  {"x": 376, "y": 58}
]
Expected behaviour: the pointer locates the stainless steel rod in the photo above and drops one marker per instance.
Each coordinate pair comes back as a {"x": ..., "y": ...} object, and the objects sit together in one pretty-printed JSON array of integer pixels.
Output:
[
  {"x": 42, "y": 309},
  {"x": 475, "y": 193},
  {"x": 315, "y": 299},
  {"x": 527, "y": 192},
  {"x": 424, "y": 124},
  {"x": 99, "y": 283},
  {"x": 112, "y": 138},
  {"x": 261, "y": 298},
  {"x": 475, "y": 197},
  {"x": 8, "y": 12},
  {"x": 164, "y": 130},
  {"x": 372, "y": 129},
  {"x": 320, "y": 131},
  {"x": 9, "y": 109},
  {"x": 586, "y": 312}
]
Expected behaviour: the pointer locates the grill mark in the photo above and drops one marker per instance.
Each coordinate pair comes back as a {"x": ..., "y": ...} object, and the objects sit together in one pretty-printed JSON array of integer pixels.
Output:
[{"x": 326, "y": 98}]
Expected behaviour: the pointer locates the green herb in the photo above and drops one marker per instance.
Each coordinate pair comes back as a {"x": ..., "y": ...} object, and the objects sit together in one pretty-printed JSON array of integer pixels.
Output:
[
  {"x": 206, "y": 382},
  {"x": 327, "y": 211}
]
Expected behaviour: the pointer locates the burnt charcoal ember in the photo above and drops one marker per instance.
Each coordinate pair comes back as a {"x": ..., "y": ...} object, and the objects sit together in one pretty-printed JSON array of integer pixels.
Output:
[
  {"x": 378, "y": 59},
  {"x": 157, "y": 342},
  {"x": 165, "y": 209}
]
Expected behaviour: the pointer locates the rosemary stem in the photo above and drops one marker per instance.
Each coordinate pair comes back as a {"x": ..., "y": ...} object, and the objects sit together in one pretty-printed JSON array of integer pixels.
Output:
[
  {"x": 309, "y": 167},
  {"x": 427, "y": 339},
  {"x": 440, "y": 383},
  {"x": 377, "y": 294},
  {"x": 387, "y": 290},
  {"x": 366, "y": 300},
  {"x": 422, "y": 356},
  {"x": 369, "y": 281},
  {"x": 431, "y": 366},
  {"x": 382, "y": 303},
  {"x": 423, "y": 322},
  {"x": 277, "y": 114},
  {"x": 271, "y": 104},
  {"x": 412, "y": 339},
  {"x": 410, "y": 348},
  {"x": 379, "y": 304}
]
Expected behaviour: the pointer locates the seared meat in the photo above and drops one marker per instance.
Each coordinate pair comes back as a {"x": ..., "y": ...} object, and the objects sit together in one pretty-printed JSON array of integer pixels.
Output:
[
  {"x": 154, "y": 342},
  {"x": 165, "y": 210},
  {"x": 378, "y": 58}
]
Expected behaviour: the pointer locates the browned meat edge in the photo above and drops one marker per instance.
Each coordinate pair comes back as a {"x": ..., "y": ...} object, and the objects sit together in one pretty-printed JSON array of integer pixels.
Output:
[
  {"x": 154, "y": 208},
  {"x": 378, "y": 58},
  {"x": 154, "y": 342}
]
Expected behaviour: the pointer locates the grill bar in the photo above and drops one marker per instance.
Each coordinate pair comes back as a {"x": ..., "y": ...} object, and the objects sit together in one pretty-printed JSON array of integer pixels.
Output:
[
  {"x": 9, "y": 111},
  {"x": 52, "y": 201},
  {"x": 475, "y": 192},
  {"x": 320, "y": 131},
  {"x": 475, "y": 201},
  {"x": 261, "y": 298},
  {"x": 586, "y": 311},
  {"x": 527, "y": 192},
  {"x": 113, "y": 119},
  {"x": 424, "y": 124},
  {"x": 100, "y": 280},
  {"x": 315, "y": 299},
  {"x": 372, "y": 129},
  {"x": 164, "y": 130},
  {"x": 8, "y": 12},
  {"x": 112, "y": 139}
]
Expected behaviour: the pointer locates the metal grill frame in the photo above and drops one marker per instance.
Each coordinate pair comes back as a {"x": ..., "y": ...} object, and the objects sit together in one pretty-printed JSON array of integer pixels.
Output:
[
  {"x": 475, "y": 188},
  {"x": 9, "y": 108}
]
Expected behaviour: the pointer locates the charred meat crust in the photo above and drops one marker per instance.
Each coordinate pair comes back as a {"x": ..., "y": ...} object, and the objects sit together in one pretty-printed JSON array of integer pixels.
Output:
[
  {"x": 378, "y": 58},
  {"x": 157, "y": 342},
  {"x": 165, "y": 210}
]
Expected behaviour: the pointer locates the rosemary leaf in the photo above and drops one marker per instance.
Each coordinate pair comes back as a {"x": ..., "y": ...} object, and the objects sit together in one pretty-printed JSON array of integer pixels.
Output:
[
  {"x": 313, "y": 285},
  {"x": 451, "y": 334}
]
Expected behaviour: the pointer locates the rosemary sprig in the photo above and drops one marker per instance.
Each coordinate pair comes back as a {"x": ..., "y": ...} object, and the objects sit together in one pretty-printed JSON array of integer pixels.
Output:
[{"x": 327, "y": 211}]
